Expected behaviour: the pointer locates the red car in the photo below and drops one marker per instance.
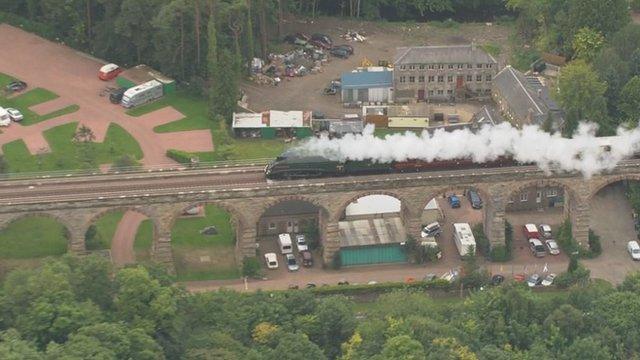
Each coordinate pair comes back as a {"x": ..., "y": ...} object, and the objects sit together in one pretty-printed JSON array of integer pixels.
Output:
[{"x": 109, "y": 71}]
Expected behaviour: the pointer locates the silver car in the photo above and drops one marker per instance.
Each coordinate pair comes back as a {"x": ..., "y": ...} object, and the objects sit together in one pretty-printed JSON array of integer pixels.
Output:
[
  {"x": 292, "y": 263},
  {"x": 552, "y": 246}
]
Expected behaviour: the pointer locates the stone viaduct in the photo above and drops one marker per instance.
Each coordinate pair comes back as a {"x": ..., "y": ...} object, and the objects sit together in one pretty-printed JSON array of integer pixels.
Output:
[{"x": 331, "y": 196}]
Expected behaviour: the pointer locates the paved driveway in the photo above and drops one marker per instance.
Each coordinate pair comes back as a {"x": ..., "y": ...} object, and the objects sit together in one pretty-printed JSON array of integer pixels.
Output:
[{"x": 73, "y": 76}]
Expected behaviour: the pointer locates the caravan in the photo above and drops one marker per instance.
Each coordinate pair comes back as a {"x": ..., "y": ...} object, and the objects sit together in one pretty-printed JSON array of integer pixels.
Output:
[
  {"x": 463, "y": 237},
  {"x": 5, "y": 119},
  {"x": 142, "y": 93}
]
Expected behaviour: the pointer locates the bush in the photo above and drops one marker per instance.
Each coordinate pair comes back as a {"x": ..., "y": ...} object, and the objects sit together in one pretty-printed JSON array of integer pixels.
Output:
[
  {"x": 251, "y": 267},
  {"x": 126, "y": 163},
  {"x": 579, "y": 275},
  {"x": 182, "y": 157},
  {"x": 93, "y": 240},
  {"x": 500, "y": 253},
  {"x": 635, "y": 5},
  {"x": 482, "y": 243},
  {"x": 436, "y": 284},
  {"x": 595, "y": 246}
]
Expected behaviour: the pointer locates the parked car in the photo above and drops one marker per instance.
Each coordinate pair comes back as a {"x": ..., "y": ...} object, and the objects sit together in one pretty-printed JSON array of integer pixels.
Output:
[
  {"x": 292, "y": 263},
  {"x": 301, "y": 243},
  {"x": 348, "y": 48},
  {"x": 552, "y": 246},
  {"x": 318, "y": 115},
  {"x": 320, "y": 44},
  {"x": 330, "y": 91},
  {"x": 454, "y": 201},
  {"x": 474, "y": 199},
  {"x": 323, "y": 38},
  {"x": 545, "y": 231},
  {"x": 533, "y": 280},
  {"x": 548, "y": 280},
  {"x": 15, "y": 114},
  {"x": 429, "y": 277},
  {"x": 115, "y": 96},
  {"x": 307, "y": 258},
  {"x": 16, "y": 86},
  {"x": 432, "y": 229},
  {"x": 537, "y": 248},
  {"x": 343, "y": 282},
  {"x": 310, "y": 285},
  {"x": 296, "y": 38},
  {"x": 272, "y": 260},
  {"x": 634, "y": 249},
  {"x": 339, "y": 52}
]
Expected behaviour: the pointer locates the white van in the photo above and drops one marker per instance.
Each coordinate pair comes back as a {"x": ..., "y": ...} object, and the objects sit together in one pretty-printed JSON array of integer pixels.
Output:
[
  {"x": 284, "y": 240},
  {"x": 634, "y": 250},
  {"x": 5, "y": 119}
]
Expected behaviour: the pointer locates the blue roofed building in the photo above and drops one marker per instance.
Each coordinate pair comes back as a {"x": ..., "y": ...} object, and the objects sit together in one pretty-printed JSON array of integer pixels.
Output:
[{"x": 367, "y": 85}]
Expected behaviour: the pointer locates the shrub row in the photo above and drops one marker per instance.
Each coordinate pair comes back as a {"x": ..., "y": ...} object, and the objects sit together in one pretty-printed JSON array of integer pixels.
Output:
[
  {"x": 182, "y": 157},
  {"x": 436, "y": 284}
]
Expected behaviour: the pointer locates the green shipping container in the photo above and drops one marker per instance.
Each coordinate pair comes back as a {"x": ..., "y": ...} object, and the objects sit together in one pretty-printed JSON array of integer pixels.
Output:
[
  {"x": 268, "y": 133},
  {"x": 373, "y": 254},
  {"x": 169, "y": 87},
  {"x": 303, "y": 132}
]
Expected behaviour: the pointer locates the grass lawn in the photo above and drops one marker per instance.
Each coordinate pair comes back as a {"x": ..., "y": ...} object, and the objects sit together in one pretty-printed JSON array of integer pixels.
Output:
[
  {"x": 33, "y": 237},
  {"x": 65, "y": 154},
  {"x": 197, "y": 118},
  {"x": 29, "y": 98},
  {"x": 106, "y": 227},
  {"x": 204, "y": 257},
  {"x": 143, "y": 241}
]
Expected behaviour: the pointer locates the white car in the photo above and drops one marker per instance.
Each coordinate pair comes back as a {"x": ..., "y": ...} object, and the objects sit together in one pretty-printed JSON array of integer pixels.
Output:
[
  {"x": 548, "y": 280},
  {"x": 292, "y": 263},
  {"x": 301, "y": 243},
  {"x": 634, "y": 249},
  {"x": 432, "y": 229},
  {"x": 533, "y": 280},
  {"x": 545, "y": 230},
  {"x": 272, "y": 260},
  {"x": 15, "y": 114},
  {"x": 552, "y": 246}
]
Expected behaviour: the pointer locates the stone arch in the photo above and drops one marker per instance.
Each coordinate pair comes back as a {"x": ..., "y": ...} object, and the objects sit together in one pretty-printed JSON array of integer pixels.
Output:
[
  {"x": 433, "y": 193},
  {"x": 8, "y": 219},
  {"x": 405, "y": 207},
  {"x": 146, "y": 212},
  {"x": 571, "y": 197},
  {"x": 610, "y": 180},
  {"x": 237, "y": 218},
  {"x": 310, "y": 200}
]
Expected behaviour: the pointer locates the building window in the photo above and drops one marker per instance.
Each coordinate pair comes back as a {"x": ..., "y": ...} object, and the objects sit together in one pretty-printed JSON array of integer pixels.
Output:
[
  {"x": 412, "y": 67},
  {"x": 431, "y": 78},
  {"x": 431, "y": 67},
  {"x": 469, "y": 66},
  {"x": 421, "y": 78},
  {"x": 272, "y": 226},
  {"x": 412, "y": 79},
  {"x": 488, "y": 77},
  {"x": 450, "y": 66},
  {"x": 460, "y": 66},
  {"x": 421, "y": 67},
  {"x": 402, "y": 67},
  {"x": 449, "y": 78},
  {"x": 441, "y": 66},
  {"x": 469, "y": 78},
  {"x": 440, "y": 78},
  {"x": 524, "y": 197},
  {"x": 489, "y": 66},
  {"x": 478, "y": 77},
  {"x": 430, "y": 92},
  {"x": 449, "y": 91},
  {"x": 440, "y": 92},
  {"x": 402, "y": 79},
  {"x": 510, "y": 200},
  {"x": 552, "y": 192},
  {"x": 479, "y": 66}
]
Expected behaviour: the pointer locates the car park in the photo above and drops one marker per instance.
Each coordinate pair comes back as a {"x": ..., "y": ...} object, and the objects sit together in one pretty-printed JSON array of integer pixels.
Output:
[
  {"x": 548, "y": 280},
  {"x": 307, "y": 258},
  {"x": 292, "y": 263},
  {"x": 272, "y": 260},
  {"x": 533, "y": 280},
  {"x": 545, "y": 231},
  {"x": 474, "y": 199},
  {"x": 16, "y": 86},
  {"x": 454, "y": 201},
  {"x": 15, "y": 114},
  {"x": 634, "y": 249},
  {"x": 537, "y": 248},
  {"x": 432, "y": 229},
  {"x": 552, "y": 247},
  {"x": 301, "y": 243}
]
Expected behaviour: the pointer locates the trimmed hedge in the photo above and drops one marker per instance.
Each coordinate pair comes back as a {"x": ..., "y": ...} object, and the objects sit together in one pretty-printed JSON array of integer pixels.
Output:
[
  {"x": 436, "y": 284},
  {"x": 182, "y": 157}
]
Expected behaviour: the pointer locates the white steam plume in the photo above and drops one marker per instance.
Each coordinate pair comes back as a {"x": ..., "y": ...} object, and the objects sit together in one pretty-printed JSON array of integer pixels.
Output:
[{"x": 583, "y": 153}]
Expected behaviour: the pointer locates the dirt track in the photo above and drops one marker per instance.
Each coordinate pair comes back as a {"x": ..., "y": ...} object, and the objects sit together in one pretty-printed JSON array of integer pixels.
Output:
[
  {"x": 122, "y": 244},
  {"x": 73, "y": 76}
]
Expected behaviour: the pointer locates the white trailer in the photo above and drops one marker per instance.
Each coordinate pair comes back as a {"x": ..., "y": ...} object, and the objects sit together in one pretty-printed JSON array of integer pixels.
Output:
[
  {"x": 463, "y": 237},
  {"x": 5, "y": 120},
  {"x": 142, "y": 93},
  {"x": 284, "y": 240}
]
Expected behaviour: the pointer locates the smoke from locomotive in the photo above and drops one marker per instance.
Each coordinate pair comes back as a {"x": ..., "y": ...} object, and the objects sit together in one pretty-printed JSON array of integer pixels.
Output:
[{"x": 584, "y": 153}]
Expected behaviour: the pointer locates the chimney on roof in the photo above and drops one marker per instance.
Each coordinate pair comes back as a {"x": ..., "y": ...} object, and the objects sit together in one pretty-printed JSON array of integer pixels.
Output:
[{"x": 540, "y": 93}]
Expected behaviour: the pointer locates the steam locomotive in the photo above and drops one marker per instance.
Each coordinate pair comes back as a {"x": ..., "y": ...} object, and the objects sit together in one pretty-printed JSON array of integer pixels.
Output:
[{"x": 290, "y": 165}]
